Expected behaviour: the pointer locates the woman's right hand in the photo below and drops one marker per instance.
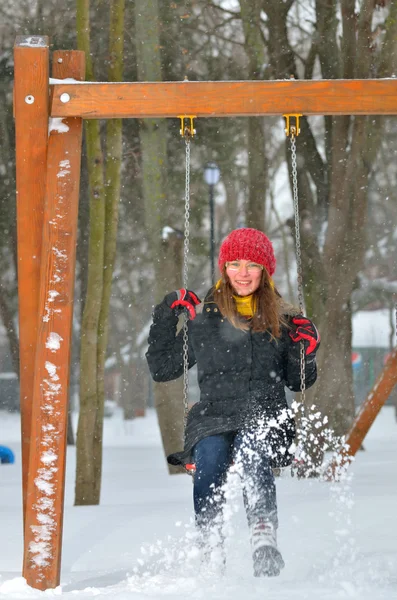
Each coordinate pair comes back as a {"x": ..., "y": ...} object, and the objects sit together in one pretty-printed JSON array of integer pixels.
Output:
[
  {"x": 306, "y": 332},
  {"x": 182, "y": 301}
]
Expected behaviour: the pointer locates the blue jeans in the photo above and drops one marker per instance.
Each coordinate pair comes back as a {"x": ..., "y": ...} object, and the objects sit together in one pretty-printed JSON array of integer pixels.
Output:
[{"x": 213, "y": 456}]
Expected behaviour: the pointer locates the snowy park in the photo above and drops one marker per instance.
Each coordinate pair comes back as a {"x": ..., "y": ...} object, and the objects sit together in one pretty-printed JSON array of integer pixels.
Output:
[
  {"x": 338, "y": 540},
  {"x": 198, "y": 299}
]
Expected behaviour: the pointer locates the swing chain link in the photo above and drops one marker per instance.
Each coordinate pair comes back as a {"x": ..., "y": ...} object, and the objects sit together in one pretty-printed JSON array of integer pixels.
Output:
[
  {"x": 185, "y": 284},
  {"x": 298, "y": 260},
  {"x": 185, "y": 271},
  {"x": 297, "y": 224}
]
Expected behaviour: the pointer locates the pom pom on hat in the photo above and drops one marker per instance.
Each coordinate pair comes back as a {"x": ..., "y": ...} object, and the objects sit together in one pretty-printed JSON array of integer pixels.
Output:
[{"x": 248, "y": 244}]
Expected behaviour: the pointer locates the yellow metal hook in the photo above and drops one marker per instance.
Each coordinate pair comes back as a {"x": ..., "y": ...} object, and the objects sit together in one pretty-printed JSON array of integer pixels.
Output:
[
  {"x": 292, "y": 128},
  {"x": 187, "y": 129}
]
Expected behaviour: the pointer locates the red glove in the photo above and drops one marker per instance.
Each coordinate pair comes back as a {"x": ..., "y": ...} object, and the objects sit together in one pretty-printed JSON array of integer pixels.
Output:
[
  {"x": 307, "y": 332},
  {"x": 183, "y": 300}
]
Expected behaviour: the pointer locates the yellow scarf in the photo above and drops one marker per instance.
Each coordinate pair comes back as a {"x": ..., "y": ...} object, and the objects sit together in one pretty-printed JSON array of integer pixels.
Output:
[{"x": 244, "y": 304}]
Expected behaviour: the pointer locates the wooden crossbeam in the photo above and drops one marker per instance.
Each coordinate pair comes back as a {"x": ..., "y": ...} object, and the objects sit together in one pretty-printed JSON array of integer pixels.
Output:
[{"x": 225, "y": 98}]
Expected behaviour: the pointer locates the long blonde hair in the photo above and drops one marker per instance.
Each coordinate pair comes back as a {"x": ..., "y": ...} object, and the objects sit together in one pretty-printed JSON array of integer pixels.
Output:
[{"x": 267, "y": 302}]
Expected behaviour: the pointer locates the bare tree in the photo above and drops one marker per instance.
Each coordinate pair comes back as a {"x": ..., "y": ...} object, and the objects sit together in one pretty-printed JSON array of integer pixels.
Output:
[
  {"x": 334, "y": 191},
  {"x": 102, "y": 243},
  {"x": 166, "y": 254},
  {"x": 257, "y": 159}
]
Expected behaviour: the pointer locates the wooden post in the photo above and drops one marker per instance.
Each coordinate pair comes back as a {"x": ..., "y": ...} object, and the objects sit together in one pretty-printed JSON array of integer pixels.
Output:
[
  {"x": 45, "y": 492},
  {"x": 366, "y": 415},
  {"x": 31, "y": 104}
]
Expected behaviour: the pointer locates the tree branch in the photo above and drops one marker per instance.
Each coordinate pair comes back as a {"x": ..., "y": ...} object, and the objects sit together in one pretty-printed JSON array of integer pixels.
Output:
[
  {"x": 388, "y": 55},
  {"x": 224, "y": 10},
  {"x": 348, "y": 41},
  {"x": 326, "y": 39},
  {"x": 364, "y": 40}
]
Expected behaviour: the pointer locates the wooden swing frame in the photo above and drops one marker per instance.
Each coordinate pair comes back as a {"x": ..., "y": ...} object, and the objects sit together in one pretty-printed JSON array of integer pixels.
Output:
[{"x": 48, "y": 155}]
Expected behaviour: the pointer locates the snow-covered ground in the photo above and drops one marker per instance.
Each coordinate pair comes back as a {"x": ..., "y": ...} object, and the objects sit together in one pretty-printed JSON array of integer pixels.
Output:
[{"x": 338, "y": 541}]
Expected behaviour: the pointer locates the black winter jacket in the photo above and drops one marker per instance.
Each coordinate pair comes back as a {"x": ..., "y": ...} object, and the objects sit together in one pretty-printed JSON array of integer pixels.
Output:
[{"x": 241, "y": 375}]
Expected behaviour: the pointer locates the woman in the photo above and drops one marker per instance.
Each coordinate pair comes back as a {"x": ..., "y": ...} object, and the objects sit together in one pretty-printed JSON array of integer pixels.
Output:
[{"x": 246, "y": 344}]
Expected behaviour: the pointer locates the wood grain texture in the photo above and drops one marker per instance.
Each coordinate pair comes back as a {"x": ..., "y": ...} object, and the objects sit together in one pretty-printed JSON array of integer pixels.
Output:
[
  {"x": 226, "y": 98},
  {"x": 31, "y": 57},
  {"x": 45, "y": 492}
]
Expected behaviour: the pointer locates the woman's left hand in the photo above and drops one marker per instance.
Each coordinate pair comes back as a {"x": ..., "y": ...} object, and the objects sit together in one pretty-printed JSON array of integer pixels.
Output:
[
  {"x": 183, "y": 301},
  {"x": 305, "y": 331}
]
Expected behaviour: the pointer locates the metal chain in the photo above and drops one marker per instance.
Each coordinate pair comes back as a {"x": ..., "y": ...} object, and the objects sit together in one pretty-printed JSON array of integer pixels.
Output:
[
  {"x": 297, "y": 228},
  {"x": 185, "y": 283},
  {"x": 298, "y": 260}
]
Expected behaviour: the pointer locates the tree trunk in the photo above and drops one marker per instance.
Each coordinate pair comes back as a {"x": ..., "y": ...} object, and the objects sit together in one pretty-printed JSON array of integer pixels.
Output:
[
  {"x": 153, "y": 136},
  {"x": 70, "y": 433},
  {"x": 230, "y": 207},
  {"x": 8, "y": 322},
  {"x": 88, "y": 461},
  {"x": 128, "y": 375},
  {"x": 339, "y": 205},
  {"x": 257, "y": 160},
  {"x": 8, "y": 224},
  {"x": 343, "y": 253},
  {"x": 114, "y": 144},
  {"x": 168, "y": 397}
]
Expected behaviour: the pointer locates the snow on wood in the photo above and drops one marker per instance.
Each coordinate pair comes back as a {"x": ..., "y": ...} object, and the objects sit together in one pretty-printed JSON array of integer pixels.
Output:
[
  {"x": 33, "y": 41},
  {"x": 64, "y": 168},
  {"x": 54, "y": 341},
  {"x": 57, "y": 124},
  {"x": 44, "y": 516},
  {"x": 31, "y": 71}
]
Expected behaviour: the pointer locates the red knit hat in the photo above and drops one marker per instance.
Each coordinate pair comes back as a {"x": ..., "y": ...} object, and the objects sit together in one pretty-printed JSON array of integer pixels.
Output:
[{"x": 248, "y": 244}]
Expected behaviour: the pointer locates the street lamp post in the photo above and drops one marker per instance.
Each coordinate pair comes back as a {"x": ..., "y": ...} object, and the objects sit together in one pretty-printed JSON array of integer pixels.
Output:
[{"x": 211, "y": 177}]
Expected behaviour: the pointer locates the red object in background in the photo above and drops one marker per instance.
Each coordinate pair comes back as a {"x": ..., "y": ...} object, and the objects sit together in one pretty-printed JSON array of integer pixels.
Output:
[{"x": 357, "y": 359}]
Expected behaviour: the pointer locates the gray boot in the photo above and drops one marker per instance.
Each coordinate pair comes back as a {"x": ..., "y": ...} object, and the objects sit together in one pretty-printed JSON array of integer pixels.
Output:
[{"x": 267, "y": 559}]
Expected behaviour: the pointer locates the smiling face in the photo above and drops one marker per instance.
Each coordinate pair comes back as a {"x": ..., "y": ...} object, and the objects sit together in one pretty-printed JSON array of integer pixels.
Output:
[{"x": 244, "y": 275}]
